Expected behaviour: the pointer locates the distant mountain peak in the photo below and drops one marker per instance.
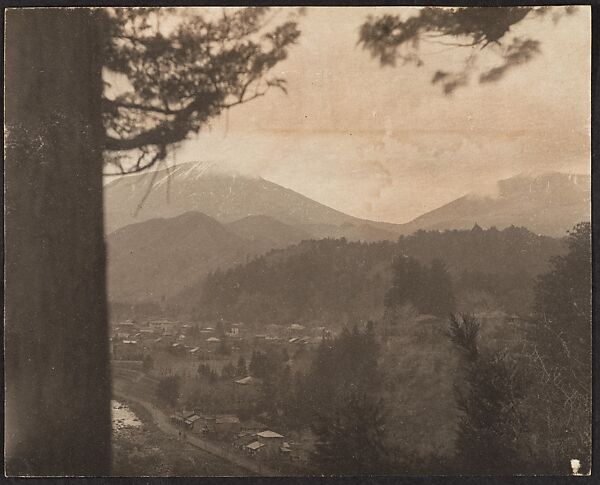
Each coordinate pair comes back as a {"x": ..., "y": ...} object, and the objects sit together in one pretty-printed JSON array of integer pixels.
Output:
[
  {"x": 226, "y": 197},
  {"x": 547, "y": 203}
]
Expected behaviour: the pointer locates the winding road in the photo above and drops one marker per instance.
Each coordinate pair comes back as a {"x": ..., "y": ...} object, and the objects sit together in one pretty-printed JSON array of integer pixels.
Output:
[{"x": 163, "y": 423}]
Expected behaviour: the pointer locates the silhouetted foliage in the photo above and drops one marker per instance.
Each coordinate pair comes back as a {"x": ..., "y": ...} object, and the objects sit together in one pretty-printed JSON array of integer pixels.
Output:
[
  {"x": 175, "y": 70},
  {"x": 392, "y": 37},
  {"x": 64, "y": 124}
]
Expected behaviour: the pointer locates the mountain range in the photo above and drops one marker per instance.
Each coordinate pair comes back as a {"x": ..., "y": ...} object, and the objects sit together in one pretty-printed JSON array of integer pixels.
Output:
[
  {"x": 166, "y": 231},
  {"x": 227, "y": 198},
  {"x": 548, "y": 204},
  {"x": 158, "y": 258}
]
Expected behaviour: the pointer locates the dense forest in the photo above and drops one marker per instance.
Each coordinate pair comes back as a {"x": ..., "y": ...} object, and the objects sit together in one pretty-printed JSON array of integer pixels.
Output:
[
  {"x": 316, "y": 282},
  {"x": 369, "y": 396}
]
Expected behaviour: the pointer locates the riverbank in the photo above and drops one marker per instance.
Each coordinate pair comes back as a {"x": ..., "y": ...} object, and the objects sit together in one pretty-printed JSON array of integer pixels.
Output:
[{"x": 146, "y": 450}]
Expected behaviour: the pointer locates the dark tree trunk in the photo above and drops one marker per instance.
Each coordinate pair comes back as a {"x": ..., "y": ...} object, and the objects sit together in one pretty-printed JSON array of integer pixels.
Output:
[{"x": 57, "y": 412}]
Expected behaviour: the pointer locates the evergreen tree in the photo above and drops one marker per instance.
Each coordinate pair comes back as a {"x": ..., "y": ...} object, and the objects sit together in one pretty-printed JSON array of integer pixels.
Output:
[
  {"x": 560, "y": 358},
  {"x": 262, "y": 365},
  {"x": 563, "y": 302},
  {"x": 348, "y": 418},
  {"x": 60, "y": 123},
  {"x": 428, "y": 289},
  {"x": 488, "y": 395},
  {"x": 56, "y": 336},
  {"x": 407, "y": 283},
  {"x": 350, "y": 439}
]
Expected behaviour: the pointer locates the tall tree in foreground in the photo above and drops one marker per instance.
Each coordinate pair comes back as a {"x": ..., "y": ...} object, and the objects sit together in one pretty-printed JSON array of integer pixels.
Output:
[
  {"x": 62, "y": 129},
  {"x": 57, "y": 376},
  {"x": 489, "y": 393},
  {"x": 347, "y": 413},
  {"x": 561, "y": 357},
  {"x": 563, "y": 302}
]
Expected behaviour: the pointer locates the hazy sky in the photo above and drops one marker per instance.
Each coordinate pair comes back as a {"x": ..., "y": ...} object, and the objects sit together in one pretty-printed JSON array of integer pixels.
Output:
[{"x": 386, "y": 144}]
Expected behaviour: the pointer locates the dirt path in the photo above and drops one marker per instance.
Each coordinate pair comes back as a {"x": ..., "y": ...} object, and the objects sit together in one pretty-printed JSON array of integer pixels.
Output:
[{"x": 164, "y": 424}]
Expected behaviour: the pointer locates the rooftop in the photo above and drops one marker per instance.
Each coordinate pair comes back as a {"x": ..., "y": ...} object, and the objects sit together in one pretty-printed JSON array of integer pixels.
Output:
[
  {"x": 255, "y": 445},
  {"x": 269, "y": 434},
  {"x": 246, "y": 381}
]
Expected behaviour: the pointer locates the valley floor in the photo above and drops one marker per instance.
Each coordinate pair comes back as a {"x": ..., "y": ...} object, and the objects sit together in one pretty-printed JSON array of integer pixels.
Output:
[{"x": 158, "y": 449}]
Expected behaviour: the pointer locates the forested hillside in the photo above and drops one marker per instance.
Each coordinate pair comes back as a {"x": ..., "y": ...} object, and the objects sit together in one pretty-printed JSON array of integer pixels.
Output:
[
  {"x": 334, "y": 280},
  {"x": 154, "y": 259}
]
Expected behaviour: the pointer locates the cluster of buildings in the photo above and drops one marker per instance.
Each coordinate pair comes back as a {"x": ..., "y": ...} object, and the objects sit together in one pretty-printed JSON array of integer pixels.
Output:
[
  {"x": 131, "y": 340},
  {"x": 250, "y": 437},
  {"x": 290, "y": 336}
]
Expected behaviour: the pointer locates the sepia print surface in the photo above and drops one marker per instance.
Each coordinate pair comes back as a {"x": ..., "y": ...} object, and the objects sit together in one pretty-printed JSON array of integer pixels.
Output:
[{"x": 298, "y": 241}]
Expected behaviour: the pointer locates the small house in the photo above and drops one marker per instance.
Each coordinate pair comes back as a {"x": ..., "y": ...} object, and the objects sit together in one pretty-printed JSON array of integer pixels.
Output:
[
  {"x": 254, "y": 447},
  {"x": 193, "y": 421},
  {"x": 273, "y": 441}
]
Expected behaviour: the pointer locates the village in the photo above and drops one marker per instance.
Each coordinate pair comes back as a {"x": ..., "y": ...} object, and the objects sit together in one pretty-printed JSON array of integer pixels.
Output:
[
  {"x": 133, "y": 341},
  {"x": 218, "y": 391}
]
